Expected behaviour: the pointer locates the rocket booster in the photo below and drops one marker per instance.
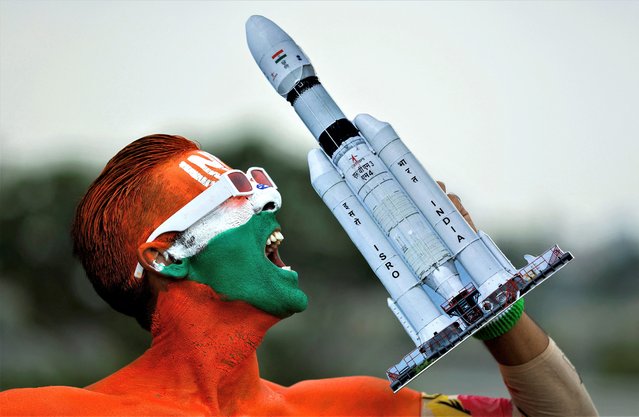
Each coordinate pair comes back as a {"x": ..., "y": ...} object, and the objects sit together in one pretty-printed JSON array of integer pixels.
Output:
[
  {"x": 409, "y": 232},
  {"x": 467, "y": 246},
  {"x": 410, "y": 303}
]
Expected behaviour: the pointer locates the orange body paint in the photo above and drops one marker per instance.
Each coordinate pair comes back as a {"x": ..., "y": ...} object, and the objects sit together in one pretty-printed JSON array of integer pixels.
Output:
[{"x": 202, "y": 361}]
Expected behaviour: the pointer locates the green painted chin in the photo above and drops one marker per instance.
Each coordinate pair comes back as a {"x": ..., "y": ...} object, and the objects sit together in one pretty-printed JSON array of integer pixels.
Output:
[{"x": 235, "y": 266}]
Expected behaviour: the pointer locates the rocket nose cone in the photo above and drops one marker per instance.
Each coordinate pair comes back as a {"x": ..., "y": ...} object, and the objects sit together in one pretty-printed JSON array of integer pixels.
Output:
[
  {"x": 324, "y": 176},
  {"x": 261, "y": 34},
  {"x": 255, "y": 23},
  {"x": 368, "y": 125},
  {"x": 318, "y": 163}
]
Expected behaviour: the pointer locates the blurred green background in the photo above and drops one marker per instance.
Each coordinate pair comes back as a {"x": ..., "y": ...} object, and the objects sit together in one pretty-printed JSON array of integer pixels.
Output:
[
  {"x": 528, "y": 110},
  {"x": 56, "y": 331}
]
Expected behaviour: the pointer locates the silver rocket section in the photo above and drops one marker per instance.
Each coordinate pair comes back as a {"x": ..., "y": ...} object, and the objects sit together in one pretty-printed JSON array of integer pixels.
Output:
[
  {"x": 481, "y": 258},
  {"x": 408, "y": 300},
  {"x": 283, "y": 69},
  {"x": 284, "y": 64}
]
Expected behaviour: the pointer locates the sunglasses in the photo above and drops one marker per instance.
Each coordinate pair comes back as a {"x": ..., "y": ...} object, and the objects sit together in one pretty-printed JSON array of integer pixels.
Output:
[{"x": 232, "y": 183}]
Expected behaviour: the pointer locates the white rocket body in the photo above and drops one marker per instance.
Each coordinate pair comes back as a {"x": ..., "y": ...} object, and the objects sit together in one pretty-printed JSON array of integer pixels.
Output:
[
  {"x": 405, "y": 226},
  {"x": 381, "y": 195}
]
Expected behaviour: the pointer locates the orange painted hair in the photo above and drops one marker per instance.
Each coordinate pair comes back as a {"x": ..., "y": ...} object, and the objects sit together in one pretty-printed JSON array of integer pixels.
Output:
[{"x": 120, "y": 209}]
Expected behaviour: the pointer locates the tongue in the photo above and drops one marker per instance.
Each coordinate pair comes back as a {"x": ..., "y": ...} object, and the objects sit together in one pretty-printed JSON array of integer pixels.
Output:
[{"x": 275, "y": 258}]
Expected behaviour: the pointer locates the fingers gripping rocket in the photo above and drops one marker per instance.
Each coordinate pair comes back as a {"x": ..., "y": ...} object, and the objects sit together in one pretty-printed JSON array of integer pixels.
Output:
[{"x": 405, "y": 226}]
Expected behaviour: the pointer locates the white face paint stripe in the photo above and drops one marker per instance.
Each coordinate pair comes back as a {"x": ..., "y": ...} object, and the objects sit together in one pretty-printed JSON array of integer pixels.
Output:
[
  {"x": 204, "y": 165},
  {"x": 229, "y": 215},
  {"x": 214, "y": 161},
  {"x": 195, "y": 175}
]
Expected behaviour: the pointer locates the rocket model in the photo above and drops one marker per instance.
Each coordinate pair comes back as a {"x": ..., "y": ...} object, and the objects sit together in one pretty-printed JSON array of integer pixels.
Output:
[{"x": 405, "y": 226}]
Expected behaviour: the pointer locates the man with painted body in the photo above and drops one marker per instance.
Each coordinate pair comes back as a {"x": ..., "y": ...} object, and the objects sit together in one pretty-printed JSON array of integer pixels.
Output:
[{"x": 209, "y": 287}]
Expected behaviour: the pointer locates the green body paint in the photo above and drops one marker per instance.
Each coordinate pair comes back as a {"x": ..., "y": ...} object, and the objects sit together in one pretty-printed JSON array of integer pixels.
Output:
[{"x": 234, "y": 264}]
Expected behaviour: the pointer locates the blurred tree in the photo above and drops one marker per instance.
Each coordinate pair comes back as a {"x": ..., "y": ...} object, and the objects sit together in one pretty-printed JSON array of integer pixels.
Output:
[{"x": 55, "y": 329}]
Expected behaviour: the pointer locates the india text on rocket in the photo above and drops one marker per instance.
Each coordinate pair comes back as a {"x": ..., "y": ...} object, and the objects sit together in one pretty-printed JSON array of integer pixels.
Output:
[{"x": 407, "y": 229}]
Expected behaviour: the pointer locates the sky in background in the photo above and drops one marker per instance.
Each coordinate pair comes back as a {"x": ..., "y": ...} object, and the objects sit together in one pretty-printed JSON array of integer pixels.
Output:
[{"x": 529, "y": 111}]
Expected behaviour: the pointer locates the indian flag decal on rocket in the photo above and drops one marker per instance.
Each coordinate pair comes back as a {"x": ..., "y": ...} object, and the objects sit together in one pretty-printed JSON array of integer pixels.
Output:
[{"x": 278, "y": 56}]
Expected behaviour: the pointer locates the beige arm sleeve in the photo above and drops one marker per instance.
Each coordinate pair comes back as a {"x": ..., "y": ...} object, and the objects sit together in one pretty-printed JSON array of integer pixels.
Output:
[{"x": 548, "y": 386}]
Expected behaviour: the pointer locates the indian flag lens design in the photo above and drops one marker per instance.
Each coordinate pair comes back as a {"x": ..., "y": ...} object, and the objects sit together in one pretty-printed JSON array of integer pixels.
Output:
[{"x": 241, "y": 183}]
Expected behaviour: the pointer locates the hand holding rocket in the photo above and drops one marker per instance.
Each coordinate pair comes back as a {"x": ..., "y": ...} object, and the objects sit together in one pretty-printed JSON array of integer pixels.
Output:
[{"x": 410, "y": 233}]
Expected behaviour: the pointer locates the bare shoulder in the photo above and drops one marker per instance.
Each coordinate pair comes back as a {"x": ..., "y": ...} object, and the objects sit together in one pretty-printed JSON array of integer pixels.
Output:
[
  {"x": 356, "y": 395},
  {"x": 353, "y": 384},
  {"x": 71, "y": 401},
  {"x": 47, "y": 400}
]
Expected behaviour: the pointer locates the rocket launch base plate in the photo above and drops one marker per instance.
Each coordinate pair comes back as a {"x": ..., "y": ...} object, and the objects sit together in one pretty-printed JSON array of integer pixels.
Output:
[{"x": 522, "y": 282}]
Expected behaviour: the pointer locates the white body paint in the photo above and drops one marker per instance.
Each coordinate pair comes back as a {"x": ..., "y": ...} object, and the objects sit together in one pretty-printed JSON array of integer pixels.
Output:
[{"x": 231, "y": 214}]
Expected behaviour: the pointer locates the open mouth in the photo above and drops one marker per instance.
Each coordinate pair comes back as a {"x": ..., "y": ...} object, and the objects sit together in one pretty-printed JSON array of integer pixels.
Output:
[{"x": 271, "y": 249}]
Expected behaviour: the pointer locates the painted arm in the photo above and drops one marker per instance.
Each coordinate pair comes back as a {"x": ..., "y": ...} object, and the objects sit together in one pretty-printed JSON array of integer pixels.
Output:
[{"x": 539, "y": 377}]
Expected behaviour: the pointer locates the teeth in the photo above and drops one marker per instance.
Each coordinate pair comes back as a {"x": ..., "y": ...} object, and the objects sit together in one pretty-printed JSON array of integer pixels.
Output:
[
  {"x": 286, "y": 268},
  {"x": 275, "y": 238}
]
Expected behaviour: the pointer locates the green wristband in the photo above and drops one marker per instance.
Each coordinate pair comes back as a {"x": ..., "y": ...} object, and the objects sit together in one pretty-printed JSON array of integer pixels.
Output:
[{"x": 503, "y": 323}]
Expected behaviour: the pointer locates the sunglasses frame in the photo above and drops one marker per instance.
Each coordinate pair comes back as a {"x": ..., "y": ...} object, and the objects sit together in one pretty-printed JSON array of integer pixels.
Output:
[{"x": 204, "y": 203}]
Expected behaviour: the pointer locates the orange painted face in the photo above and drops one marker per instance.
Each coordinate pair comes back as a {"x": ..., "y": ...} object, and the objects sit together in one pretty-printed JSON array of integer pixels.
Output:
[
  {"x": 179, "y": 181},
  {"x": 212, "y": 197},
  {"x": 231, "y": 244}
]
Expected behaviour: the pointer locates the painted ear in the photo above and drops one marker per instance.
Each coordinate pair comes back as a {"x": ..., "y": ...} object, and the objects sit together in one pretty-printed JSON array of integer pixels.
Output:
[{"x": 151, "y": 257}]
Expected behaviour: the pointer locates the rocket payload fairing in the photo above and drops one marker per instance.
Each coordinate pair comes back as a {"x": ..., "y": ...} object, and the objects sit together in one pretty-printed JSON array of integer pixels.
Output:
[{"x": 405, "y": 226}]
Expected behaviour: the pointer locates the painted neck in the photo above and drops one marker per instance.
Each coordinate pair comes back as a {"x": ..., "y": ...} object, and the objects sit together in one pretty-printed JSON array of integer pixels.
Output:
[{"x": 205, "y": 346}]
